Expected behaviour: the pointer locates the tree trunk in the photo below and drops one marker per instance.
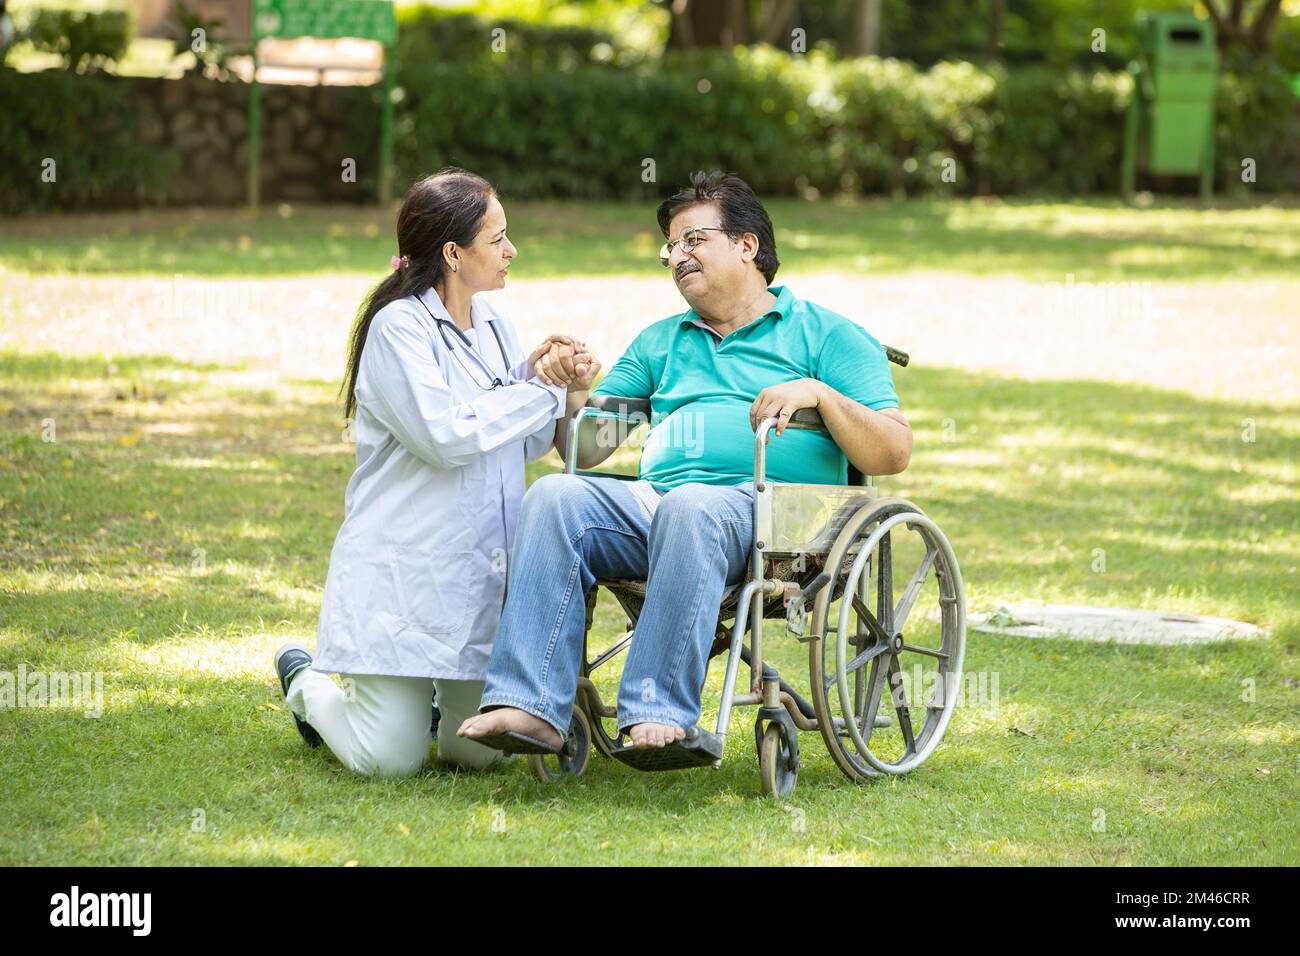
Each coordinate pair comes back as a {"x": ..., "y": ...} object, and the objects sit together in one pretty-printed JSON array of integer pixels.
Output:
[
  {"x": 697, "y": 23},
  {"x": 735, "y": 32},
  {"x": 996, "y": 12},
  {"x": 774, "y": 30},
  {"x": 1261, "y": 32},
  {"x": 867, "y": 28},
  {"x": 1232, "y": 31}
]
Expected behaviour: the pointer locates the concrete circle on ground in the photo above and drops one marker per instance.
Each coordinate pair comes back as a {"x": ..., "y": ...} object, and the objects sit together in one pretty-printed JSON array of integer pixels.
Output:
[{"x": 1118, "y": 625}]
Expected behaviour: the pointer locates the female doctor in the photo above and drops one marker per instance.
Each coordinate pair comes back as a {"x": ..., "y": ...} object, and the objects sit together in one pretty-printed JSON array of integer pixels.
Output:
[{"x": 447, "y": 410}]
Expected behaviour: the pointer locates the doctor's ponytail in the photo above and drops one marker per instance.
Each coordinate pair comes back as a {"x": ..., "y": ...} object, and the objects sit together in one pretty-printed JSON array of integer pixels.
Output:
[{"x": 448, "y": 206}]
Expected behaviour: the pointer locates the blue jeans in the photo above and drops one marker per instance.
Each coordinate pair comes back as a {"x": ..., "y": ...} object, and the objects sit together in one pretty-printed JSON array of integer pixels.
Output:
[{"x": 573, "y": 530}]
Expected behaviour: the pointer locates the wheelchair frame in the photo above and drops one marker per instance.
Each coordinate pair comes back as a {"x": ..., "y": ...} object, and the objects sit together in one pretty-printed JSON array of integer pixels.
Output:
[{"x": 857, "y": 537}]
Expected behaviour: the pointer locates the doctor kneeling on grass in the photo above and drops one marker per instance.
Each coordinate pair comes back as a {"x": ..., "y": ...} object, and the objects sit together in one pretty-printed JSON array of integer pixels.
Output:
[{"x": 447, "y": 410}]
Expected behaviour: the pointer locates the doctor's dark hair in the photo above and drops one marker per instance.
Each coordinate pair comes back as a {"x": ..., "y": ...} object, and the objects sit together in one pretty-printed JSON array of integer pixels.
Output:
[
  {"x": 741, "y": 211},
  {"x": 448, "y": 206}
]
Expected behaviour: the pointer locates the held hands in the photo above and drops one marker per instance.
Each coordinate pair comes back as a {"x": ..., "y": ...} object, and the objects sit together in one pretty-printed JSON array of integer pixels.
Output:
[
  {"x": 782, "y": 401},
  {"x": 562, "y": 360}
]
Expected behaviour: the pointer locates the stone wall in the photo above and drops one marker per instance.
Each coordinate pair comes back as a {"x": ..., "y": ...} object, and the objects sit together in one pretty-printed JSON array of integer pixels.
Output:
[{"x": 307, "y": 133}]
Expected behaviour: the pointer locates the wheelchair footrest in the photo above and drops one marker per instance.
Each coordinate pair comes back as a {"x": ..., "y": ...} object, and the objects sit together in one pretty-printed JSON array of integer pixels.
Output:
[{"x": 698, "y": 749}]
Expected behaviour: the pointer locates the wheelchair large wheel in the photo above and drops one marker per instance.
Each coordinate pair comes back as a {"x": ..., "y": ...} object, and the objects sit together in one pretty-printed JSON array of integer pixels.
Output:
[
  {"x": 572, "y": 759},
  {"x": 872, "y": 651}
]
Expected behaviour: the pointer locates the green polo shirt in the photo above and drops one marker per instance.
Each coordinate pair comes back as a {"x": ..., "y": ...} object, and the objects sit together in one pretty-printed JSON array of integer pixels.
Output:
[{"x": 701, "y": 387}]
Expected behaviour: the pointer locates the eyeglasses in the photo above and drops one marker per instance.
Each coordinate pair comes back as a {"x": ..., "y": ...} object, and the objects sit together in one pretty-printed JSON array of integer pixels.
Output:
[{"x": 688, "y": 242}]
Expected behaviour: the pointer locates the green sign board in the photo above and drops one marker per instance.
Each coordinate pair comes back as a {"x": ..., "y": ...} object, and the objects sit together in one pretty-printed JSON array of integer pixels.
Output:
[{"x": 326, "y": 19}]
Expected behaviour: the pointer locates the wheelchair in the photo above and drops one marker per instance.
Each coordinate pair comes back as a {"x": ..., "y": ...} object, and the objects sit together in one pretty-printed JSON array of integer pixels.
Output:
[{"x": 825, "y": 560}]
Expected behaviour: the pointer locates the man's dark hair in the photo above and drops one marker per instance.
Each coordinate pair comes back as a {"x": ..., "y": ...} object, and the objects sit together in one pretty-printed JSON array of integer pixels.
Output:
[{"x": 742, "y": 212}]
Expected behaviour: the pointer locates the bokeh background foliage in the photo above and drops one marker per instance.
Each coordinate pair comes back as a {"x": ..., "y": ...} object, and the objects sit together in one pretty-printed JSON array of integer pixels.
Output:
[{"x": 570, "y": 110}]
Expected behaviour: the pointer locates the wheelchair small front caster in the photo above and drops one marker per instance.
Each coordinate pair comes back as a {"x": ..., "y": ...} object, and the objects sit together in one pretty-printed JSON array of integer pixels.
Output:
[
  {"x": 778, "y": 760},
  {"x": 572, "y": 759}
]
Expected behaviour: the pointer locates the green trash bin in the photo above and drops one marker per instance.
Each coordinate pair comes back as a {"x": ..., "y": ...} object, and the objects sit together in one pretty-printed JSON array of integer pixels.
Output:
[{"x": 1169, "y": 126}]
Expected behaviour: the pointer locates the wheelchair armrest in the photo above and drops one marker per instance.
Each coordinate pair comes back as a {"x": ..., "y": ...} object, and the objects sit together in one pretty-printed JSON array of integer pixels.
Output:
[
  {"x": 811, "y": 418},
  {"x": 807, "y": 418},
  {"x": 620, "y": 406},
  {"x": 640, "y": 407},
  {"x": 897, "y": 356},
  {"x": 635, "y": 410},
  {"x": 623, "y": 407}
]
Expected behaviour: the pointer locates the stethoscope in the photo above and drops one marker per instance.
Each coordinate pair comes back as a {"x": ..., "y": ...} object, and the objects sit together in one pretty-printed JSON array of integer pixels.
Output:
[{"x": 460, "y": 333}]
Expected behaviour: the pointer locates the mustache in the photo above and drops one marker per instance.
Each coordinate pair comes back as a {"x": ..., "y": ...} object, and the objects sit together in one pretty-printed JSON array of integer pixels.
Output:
[{"x": 685, "y": 269}]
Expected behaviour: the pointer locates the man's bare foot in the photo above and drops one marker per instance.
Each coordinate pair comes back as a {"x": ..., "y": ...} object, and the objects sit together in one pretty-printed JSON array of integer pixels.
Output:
[
  {"x": 509, "y": 718},
  {"x": 646, "y": 736}
]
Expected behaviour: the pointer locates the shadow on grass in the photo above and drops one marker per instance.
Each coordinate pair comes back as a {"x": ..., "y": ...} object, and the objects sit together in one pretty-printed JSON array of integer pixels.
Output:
[
  {"x": 1015, "y": 238},
  {"x": 171, "y": 540},
  {"x": 1148, "y": 720},
  {"x": 1036, "y": 239},
  {"x": 48, "y": 367},
  {"x": 216, "y": 508}
]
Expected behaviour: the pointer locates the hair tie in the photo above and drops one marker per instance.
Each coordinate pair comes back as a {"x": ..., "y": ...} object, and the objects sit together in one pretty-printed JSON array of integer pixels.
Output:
[{"x": 400, "y": 261}]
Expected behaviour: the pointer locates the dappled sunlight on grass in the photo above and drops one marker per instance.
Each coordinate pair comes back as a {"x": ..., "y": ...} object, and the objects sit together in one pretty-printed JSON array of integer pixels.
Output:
[
  {"x": 1257, "y": 735},
  {"x": 191, "y": 551},
  {"x": 1097, "y": 239}
]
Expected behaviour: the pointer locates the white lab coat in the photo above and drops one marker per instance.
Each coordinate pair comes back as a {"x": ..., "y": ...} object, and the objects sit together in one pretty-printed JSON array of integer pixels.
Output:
[{"x": 417, "y": 573}]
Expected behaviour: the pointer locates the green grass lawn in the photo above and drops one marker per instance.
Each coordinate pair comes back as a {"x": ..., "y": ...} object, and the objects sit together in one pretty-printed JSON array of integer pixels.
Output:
[
  {"x": 1037, "y": 240},
  {"x": 178, "y": 529}
]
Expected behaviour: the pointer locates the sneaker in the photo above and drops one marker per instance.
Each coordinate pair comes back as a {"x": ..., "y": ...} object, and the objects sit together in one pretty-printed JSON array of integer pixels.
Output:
[{"x": 289, "y": 660}]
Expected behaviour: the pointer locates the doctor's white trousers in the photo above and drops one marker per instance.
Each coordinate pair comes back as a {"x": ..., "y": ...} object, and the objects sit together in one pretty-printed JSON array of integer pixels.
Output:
[{"x": 379, "y": 726}]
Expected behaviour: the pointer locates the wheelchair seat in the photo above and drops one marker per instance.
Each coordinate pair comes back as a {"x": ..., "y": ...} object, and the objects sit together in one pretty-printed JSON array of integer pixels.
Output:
[{"x": 631, "y": 592}]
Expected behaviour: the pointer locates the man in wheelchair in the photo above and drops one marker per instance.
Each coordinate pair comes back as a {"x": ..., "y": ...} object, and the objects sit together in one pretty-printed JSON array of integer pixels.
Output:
[{"x": 744, "y": 351}]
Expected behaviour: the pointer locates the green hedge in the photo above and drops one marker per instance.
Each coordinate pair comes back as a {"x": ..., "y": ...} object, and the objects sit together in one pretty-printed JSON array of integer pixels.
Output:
[
  {"x": 1257, "y": 119},
  {"x": 1059, "y": 133},
  {"x": 790, "y": 123},
  {"x": 586, "y": 131},
  {"x": 429, "y": 35},
  {"x": 540, "y": 128},
  {"x": 87, "y": 125}
]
